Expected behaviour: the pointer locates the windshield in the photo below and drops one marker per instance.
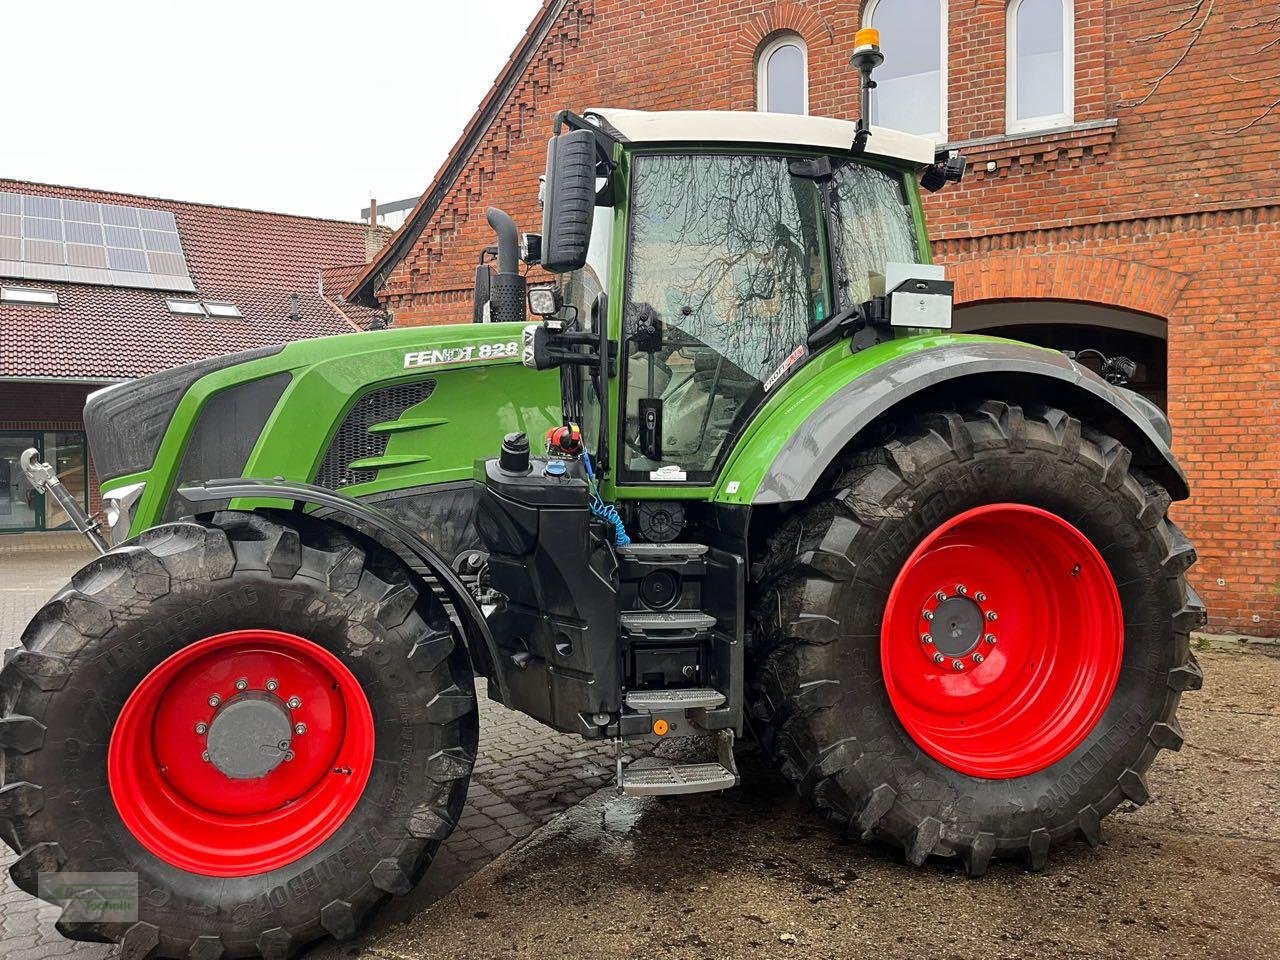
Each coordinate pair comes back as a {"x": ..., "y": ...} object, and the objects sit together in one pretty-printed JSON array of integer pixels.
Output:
[{"x": 727, "y": 276}]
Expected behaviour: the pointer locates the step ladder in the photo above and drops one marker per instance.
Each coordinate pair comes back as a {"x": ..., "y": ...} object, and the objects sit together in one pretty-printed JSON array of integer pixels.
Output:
[{"x": 694, "y": 637}]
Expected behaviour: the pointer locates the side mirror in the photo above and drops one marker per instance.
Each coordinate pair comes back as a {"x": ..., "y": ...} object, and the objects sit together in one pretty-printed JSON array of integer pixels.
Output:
[{"x": 570, "y": 200}]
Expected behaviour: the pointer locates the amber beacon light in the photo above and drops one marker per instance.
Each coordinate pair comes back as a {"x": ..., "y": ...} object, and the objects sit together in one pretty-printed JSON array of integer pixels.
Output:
[{"x": 866, "y": 57}]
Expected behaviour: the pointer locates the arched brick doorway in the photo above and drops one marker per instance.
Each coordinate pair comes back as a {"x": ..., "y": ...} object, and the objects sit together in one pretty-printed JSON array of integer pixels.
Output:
[
  {"x": 1077, "y": 303},
  {"x": 1062, "y": 325}
]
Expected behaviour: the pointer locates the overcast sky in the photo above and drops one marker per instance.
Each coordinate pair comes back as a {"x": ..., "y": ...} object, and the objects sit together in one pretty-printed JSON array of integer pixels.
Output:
[{"x": 300, "y": 107}]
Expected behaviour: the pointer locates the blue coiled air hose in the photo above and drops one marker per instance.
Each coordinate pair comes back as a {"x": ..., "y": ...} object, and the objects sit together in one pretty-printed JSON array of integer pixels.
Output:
[{"x": 605, "y": 511}]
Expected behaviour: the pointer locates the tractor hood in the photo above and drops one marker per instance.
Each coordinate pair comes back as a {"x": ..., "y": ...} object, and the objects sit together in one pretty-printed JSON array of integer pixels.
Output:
[{"x": 363, "y": 413}]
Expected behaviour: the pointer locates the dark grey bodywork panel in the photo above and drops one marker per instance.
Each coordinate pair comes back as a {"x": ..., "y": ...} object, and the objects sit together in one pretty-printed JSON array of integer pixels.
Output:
[
  {"x": 443, "y": 515},
  {"x": 811, "y": 449},
  {"x": 126, "y": 422},
  {"x": 225, "y": 433}
]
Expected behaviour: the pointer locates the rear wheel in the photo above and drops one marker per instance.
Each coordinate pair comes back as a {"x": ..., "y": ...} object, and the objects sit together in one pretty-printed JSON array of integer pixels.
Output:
[
  {"x": 263, "y": 718},
  {"x": 975, "y": 644}
]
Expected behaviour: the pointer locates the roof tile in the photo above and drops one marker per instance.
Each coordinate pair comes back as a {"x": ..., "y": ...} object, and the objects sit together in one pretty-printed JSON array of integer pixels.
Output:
[{"x": 253, "y": 259}]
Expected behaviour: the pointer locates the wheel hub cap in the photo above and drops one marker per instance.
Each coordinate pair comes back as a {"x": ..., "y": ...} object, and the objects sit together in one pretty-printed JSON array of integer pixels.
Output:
[
  {"x": 241, "y": 753},
  {"x": 1002, "y": 641},
  {"x": 956, "y": 627},
  {"x": 250, "y": 736}
]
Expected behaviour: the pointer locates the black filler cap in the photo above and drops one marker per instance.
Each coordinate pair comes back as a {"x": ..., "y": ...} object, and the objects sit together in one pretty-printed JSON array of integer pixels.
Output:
[{"x": 515, "y": 453}]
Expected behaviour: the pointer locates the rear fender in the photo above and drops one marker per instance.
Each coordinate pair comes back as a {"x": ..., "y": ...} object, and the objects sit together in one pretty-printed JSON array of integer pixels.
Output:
[
  {"x": 419, "y": 555},
  {"x": 936, "y": 377}
]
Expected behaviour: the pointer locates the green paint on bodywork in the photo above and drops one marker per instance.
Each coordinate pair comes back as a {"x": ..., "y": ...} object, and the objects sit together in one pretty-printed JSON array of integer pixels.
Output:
[
  {"x": 799, "y": 398},
  {"x": 479, "y": 397},
  {"x": 476, "y": 401}
]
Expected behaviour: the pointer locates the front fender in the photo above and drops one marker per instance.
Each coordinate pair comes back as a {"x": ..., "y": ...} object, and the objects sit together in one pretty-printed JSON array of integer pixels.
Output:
[
  {"x": 419, "y": 555},
  {"x": 807, "y": 434}
]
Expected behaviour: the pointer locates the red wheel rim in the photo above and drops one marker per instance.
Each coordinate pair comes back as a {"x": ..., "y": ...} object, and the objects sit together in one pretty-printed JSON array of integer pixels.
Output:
[
  {"x": 186, "y": 778},
  {"x": 1026, "y": 690}
]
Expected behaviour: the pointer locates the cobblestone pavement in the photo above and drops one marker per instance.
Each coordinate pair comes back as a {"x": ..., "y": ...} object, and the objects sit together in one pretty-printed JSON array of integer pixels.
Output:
[{"x": 524, "y": 775}]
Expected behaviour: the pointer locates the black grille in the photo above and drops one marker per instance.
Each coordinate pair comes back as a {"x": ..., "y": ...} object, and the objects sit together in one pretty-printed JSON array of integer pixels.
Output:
[{"x": 353, "y": 441}]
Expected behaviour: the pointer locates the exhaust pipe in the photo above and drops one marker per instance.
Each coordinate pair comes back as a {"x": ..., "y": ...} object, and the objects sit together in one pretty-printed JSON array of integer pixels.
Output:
[{"x": 507, "y": 288}]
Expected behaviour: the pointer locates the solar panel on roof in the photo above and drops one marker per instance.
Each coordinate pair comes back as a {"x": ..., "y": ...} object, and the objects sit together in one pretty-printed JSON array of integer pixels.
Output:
[{"x": 80, "y": 241}]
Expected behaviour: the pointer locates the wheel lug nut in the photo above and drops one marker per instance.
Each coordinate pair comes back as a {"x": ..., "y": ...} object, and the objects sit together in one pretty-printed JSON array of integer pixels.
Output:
[
  {"x": 938, "y": 658},
  {"x": 288, "y": 756},
  {"x": 978, "y": 658},
  {"x": 925, "y": 638},
  {"x": 961, "y": 589},
  {"x": 202, "y": 728},
  {"x": 957, "y": 664},
  {"x": 273, "y": 684},
  {"x": 928, "y": 614},
  {"x": 300, "y": 728},
  {"x": 991, "y": 615},
  {"x": 294, "y": 703},
  {"x": 991, "y": 638},
  {"x": 242, "y": 684},
  {"x": 215, "y": 700},
  {"x": 940, "y": 596},
  {"x": 205, "y": 756},
  {"x": 979, "y": 596}
]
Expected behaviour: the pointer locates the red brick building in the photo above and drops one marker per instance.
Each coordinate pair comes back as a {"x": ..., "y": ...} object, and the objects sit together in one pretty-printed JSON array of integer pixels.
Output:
[
  {"x": 1124, "y": 192},
  {"x": 99, "y": 287}
]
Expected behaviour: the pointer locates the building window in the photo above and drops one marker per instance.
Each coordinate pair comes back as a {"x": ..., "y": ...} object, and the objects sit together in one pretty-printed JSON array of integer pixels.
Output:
[
  {"x": 911, "y": 87},
  {"x": 203, "y": 308},
  {"x": 33, "y": 295},
  {"x": 1041, "y": 37},
  {"x": 782, "y": 76}
]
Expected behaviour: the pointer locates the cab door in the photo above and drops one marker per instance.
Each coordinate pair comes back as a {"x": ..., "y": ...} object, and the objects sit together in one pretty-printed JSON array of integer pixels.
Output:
[{"x": 727, "y": 273}]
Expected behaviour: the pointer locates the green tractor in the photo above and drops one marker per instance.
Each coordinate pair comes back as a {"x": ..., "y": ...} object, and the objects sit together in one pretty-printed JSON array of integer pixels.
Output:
[{"x": 737, "y": 478}]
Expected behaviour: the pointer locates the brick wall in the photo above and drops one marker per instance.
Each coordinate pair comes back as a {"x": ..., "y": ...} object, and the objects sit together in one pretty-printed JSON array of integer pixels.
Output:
[
  {"x": 1164, "y": 199},
  {"x": 48, "y": 406}
]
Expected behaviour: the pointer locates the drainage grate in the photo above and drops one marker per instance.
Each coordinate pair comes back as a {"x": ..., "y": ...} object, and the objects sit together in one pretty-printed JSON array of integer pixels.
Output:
[{"x": 353, "y": 441}]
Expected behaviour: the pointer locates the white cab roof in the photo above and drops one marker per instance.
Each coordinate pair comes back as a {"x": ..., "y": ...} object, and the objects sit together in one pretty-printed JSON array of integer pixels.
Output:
[{"x": 737, "y": 126}]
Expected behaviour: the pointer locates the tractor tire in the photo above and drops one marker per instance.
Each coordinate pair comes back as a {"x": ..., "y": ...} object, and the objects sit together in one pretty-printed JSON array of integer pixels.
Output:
[
  {"x": 974, "y": 642},
  {"x": 139, "y": 722}
]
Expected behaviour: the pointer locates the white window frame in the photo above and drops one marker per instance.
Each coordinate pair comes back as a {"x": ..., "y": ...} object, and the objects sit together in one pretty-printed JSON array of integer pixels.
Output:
[
  {"x": 189, "y": 308},
  {"x": 1050, "y": 121},
  {"x": 221, "y": 308},
  {"x": 788, "y": 39},
  {"x": 32, "y": 296},
  {"x": 938, "y": 136}
]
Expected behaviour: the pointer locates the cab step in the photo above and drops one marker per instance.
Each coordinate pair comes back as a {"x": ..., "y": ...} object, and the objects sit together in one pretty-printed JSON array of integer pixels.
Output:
[
  {"x": 666, "y": 779},
  {"x": 672, "y": 625},
  {"x": 670, "y": 700},
  {"x": 675, "y": 778}
]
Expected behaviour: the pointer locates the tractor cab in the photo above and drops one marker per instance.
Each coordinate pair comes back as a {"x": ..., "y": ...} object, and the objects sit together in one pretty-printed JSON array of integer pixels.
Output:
[
  {"x": 718, "y": 252},
  {"x": 700, "y": 260}
]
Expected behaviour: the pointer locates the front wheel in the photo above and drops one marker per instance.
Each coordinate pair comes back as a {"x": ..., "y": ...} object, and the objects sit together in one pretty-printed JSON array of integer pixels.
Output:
[
  {"x": 263, "y": 721},
  {"x": 975, "y": 644}
]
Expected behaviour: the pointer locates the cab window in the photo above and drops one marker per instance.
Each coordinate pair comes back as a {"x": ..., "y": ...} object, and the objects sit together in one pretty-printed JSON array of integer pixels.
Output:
[
  {"x": 872, "y": 225},
  {"x": 727, "y": 275}
]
